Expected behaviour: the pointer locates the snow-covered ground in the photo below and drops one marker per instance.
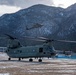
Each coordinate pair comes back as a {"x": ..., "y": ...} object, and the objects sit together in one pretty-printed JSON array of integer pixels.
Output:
[
  {"x": 4, "y": 74},
  {"x": 47, "y": 67}
]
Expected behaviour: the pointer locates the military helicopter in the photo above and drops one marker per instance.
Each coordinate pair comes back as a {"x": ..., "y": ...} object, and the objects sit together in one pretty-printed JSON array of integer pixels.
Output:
[
  {"x": 16, "y": 50},
  {"x": 37, "y": 25}
]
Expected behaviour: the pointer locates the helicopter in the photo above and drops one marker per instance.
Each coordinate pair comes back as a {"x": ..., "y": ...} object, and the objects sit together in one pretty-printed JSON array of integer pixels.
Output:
[
  {"x": 16, "y": 50},
  {"x": 37, "y": 25}
]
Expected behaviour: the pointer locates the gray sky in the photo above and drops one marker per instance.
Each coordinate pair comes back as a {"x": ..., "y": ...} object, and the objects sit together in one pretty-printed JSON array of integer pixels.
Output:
[
  {"x": 25, "y": 3},
  {"x": 11, "y": 6}
]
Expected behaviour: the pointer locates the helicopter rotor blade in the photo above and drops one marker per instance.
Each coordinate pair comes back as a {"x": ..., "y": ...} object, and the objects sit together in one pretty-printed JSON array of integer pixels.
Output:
[
  {"x": 66, "y": 41},
  {"x": 33, "y": 38},
  {"x": 28, "y": 37},
  {"x": 37, "y": 40},
  {"x": 50, "y": 40},
  {"x": 42, "y": 38},
  {"x": 10, "y": 37}
]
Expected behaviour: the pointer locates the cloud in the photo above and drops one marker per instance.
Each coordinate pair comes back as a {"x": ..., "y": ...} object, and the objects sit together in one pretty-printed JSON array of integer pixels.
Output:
[
  {"x": 25, "y": 3},
  {"x": 8, "y": 9},
  {"x": 11, "y": 6},
  {"x": 63, "y": 3},
  {"x": 28, "y": 3}
]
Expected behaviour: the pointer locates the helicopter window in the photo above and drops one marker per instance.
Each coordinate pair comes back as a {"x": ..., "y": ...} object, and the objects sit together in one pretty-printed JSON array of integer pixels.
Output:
[
  {"x": 40, "y": 50},
  {"x": 7, "y": 50},
  {"x": 14, "y": 44},
  {"x": 19, "y": 51},
  {"x": 44, "y": 52}
]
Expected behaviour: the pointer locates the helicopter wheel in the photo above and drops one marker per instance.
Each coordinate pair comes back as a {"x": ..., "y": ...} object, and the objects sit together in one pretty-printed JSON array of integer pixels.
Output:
[
  {"x": 40, "y": 60},
  {"x": 9, "y": 58},
  {"x": 19, "y": 59},
  {"x": 30, "y": 60}
]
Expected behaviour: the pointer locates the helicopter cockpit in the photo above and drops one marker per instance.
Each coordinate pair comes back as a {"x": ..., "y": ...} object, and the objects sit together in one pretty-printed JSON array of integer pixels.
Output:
[{"x": 14, "y": 43}]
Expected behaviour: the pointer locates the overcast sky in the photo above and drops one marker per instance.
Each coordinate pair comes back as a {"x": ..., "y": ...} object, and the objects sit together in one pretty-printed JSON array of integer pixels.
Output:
[{"x": 10, "y": 6}]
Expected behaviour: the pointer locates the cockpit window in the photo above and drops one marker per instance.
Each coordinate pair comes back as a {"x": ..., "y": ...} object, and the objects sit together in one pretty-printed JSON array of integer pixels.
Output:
[
  {"x": 40, "y": 50},
  {"x": 14, "y": 44}
]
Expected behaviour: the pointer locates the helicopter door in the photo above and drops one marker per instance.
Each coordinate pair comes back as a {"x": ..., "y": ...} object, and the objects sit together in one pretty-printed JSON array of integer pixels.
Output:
[{"x": 40, "y": 50}]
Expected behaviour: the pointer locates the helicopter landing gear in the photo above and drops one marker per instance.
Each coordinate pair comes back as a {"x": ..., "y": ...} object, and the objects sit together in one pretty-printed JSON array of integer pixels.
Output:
[
  {"x": 9, "y": 58},
  {"x": 19, "y": 59},
  {"x": 40, "y": 60},
  {"x": 30, "y": 60}
]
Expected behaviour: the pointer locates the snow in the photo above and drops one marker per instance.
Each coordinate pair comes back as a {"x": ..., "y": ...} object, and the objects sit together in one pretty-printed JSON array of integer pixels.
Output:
[
  {"x": 61, "y": 14},
  {"x": 52, "y": 65},
  {"x": 3, "y": 67},
  {"x": 4, "y": 74}
]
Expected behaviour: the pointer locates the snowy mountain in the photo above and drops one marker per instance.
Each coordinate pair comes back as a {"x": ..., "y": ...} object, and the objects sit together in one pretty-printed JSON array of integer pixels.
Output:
[
  {"x": 47, "y": 16},
  {"x": 68, "y": 25},
  {"x": 41, "y": 20}
]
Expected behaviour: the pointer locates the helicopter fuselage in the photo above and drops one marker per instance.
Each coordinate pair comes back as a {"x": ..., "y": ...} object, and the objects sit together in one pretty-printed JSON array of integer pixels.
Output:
[{"x": 30, "y": 52}]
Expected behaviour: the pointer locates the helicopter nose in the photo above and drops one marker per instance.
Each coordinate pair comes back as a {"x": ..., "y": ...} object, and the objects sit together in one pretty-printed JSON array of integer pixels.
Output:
[{"x": 5, "y": 51}]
